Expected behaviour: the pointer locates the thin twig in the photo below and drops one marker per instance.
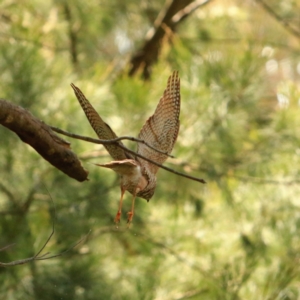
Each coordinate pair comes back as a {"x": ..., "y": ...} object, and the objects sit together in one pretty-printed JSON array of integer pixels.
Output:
[
  {"x": 96, "y": 141},
  {"x": 102, "y": 142},
  {"x": 6, "y": 247},
  {"x": 64, "y": 252},
  {"x": 38, "y": 255}
]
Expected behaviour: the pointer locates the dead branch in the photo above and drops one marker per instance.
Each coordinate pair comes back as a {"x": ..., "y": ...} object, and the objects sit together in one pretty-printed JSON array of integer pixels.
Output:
[
  {"x": 96, "y": 141},
  {"x": 41, "y": 138}
]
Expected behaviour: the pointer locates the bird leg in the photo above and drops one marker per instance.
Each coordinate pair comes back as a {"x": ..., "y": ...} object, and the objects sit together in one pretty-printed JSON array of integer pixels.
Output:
[
  {"x": 131, "y": 212},
  {"x": 118, "y": 215}
]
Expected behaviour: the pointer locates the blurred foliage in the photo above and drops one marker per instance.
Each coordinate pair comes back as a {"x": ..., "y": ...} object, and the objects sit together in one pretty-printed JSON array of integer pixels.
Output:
[{"x": 236, "y": 237}]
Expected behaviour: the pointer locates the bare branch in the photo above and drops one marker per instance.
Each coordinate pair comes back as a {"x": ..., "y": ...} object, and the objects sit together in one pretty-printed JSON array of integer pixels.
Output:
[
  {"x": 6, "y": 247},
  {"x": 38, "y": 255},
  {"x": 40, "y": 137},
  {"x": 112, "y": 141},
  {"x": 96, "y": 141}
]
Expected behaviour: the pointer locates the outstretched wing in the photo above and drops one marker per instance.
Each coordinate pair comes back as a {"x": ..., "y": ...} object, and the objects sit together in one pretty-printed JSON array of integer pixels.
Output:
[
  {"x": 161, "y": 129},
  {"x": 102, "y": 129}
]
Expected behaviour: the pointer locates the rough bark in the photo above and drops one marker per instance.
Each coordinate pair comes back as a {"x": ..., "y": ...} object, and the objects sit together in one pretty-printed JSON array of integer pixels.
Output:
[{"x": 41, "y": 138}]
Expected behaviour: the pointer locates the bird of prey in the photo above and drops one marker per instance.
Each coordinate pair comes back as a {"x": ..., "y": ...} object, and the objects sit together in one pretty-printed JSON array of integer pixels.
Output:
[{"x": 138, "y": 176}]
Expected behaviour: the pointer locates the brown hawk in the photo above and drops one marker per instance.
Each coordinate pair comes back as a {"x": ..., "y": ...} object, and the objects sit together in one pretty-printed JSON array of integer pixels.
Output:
[{"x": 138, "y": 176}]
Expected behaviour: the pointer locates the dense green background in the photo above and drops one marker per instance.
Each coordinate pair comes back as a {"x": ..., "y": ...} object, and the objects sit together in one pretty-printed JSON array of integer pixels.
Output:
[{"x": 237, "y": 237}]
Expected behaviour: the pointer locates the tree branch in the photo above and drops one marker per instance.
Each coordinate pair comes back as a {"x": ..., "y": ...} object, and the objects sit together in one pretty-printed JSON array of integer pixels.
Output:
[
  {"x": 188, "y": 10},
  {"x": 103, "y": 142},
  {"x": 38, "y": 255},
  {"x": 54, "y": 149},
  {"x": 72, "y": 35},
  {"x": 40, "y": 137},
  {"x": 96, "y": 141},
  {"x": 165, "y": 23}
]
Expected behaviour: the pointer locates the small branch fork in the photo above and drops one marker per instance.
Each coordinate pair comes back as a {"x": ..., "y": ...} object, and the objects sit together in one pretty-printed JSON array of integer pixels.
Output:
[
  {"x": 38, "y": 255},
  {"x": 103, "y": 142},
  {"x": 97, "y": 141}
]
